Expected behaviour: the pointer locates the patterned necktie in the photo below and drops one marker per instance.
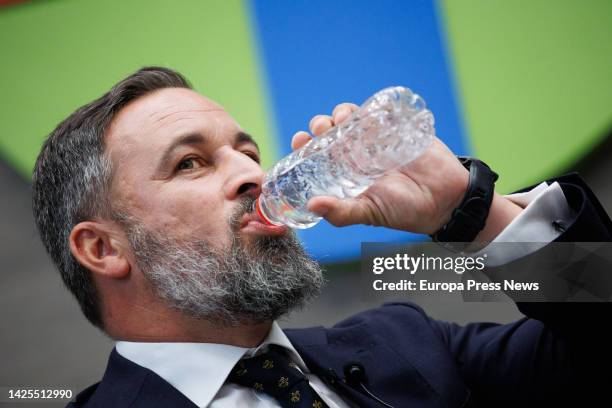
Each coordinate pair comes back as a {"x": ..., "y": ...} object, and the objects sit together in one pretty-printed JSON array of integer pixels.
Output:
[{"x": 274, "y": 374}]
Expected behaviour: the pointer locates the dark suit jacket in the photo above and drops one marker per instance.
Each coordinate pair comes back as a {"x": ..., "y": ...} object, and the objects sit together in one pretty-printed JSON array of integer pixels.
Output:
[{"x": 411, "y": 360}]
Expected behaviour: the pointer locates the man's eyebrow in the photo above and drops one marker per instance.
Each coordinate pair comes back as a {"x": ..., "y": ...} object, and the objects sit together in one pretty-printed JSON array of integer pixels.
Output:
[
  {"x": 199, "y": 139},
  {"x": 243, "y": 137},
  {"x": 185, "y": 140}
]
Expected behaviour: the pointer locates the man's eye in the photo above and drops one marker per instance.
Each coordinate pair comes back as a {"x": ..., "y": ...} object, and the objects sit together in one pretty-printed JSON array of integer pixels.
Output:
[
  {"x": 190, "y": 163},
  {"x": 252, "y": 155}
]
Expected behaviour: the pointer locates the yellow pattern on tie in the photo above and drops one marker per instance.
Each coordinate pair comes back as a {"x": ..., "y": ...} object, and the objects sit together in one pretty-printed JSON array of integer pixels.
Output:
[
  {"x": 295, "y": 396},
  {"x": 283, "y": 382},
  {"x": 241, "y": 370}
]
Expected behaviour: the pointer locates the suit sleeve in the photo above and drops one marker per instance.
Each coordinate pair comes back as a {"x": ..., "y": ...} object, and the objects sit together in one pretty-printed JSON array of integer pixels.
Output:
[{"x": 559, "y": 350}]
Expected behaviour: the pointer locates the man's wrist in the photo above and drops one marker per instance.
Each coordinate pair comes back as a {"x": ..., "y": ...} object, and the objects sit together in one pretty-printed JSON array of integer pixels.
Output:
[
  {"x": 501, "y": 214},
  {"x": 469, "y": 218}
]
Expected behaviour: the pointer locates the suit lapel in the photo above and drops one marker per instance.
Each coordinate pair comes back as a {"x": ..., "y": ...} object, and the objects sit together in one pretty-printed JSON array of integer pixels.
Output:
[
  {"x": 313, "y": 346},
  {"x": 390, "y": 376},
  {"x": 126, "y": 384}
]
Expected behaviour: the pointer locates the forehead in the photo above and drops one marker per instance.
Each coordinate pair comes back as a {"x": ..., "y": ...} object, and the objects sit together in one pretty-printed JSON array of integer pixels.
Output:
[{"x": 152, "y": 121}]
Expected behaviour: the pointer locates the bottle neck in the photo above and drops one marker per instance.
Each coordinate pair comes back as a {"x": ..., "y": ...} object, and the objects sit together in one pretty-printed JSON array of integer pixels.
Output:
[{"x": 265, "y": 219}]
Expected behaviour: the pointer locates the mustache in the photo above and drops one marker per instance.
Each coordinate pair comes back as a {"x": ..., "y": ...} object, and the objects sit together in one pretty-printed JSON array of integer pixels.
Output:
[{"x": 245, "y": 205}]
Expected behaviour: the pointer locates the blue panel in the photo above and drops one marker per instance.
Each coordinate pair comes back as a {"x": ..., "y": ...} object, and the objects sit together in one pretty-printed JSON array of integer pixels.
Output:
[{"x": 320, "y": 53}]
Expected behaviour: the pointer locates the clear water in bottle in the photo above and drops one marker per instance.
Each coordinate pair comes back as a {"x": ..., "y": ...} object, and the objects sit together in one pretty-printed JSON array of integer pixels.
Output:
[{"x": 392, "y": 128}]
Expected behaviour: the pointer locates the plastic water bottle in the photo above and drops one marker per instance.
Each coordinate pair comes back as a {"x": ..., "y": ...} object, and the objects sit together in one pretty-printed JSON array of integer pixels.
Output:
[{"x": 392, "y": 128}]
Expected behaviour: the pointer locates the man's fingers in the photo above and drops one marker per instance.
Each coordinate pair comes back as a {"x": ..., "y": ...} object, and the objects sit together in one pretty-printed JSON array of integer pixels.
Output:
[
  {"x": 343, "y": 111},
  {"x": 300, "y": 139},
  {"x": 320, "y": 124},
  {"x": 338, "y": 212}
]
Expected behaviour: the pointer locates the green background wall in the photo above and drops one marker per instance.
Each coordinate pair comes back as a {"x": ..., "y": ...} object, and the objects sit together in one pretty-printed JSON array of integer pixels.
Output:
[
  {"x": 534, "y": 79},
  {"x": 59, "y": 55}
]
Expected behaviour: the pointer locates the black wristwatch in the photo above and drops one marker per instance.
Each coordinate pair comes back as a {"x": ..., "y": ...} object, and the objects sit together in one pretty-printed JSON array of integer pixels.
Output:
[{"x": 469, "y": 218}]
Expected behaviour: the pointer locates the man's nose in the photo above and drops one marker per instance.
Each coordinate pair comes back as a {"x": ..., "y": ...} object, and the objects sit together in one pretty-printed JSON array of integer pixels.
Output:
[{"x": 244, "y": 176}]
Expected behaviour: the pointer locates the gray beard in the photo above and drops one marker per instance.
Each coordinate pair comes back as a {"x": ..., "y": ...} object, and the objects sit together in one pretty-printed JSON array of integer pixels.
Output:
[{"x": 248, "y": 283}]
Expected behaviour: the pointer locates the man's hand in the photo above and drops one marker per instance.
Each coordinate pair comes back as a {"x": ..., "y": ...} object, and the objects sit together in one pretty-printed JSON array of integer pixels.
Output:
[{"x": 418, "y": 197}]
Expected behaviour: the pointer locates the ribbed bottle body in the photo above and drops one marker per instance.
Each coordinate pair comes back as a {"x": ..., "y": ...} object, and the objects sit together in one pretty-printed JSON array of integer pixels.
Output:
[{"x": 389, "y": 130}]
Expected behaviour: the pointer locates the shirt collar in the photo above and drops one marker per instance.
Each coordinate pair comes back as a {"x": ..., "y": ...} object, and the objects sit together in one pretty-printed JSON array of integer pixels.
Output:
[
  {"x": 199, "y": 370},
  {"x": 279, "y": 338}
]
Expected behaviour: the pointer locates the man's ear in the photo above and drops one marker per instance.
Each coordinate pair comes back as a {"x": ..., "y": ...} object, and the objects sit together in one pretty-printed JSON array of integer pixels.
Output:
[{"x": 96, "y": 246}]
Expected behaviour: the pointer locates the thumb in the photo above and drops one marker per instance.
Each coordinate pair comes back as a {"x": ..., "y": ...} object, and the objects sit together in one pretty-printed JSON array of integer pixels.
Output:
[{"x": 339, "y": 212}]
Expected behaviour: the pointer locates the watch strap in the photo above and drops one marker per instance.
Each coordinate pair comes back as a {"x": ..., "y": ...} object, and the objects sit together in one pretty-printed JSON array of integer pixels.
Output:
[{"x": 469, "y": 218}]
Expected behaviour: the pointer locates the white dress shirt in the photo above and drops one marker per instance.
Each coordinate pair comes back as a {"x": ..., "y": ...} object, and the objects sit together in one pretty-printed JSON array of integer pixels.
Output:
[
  {"x": 533, "y": 228},
  {"x": 199, "y": 370}
]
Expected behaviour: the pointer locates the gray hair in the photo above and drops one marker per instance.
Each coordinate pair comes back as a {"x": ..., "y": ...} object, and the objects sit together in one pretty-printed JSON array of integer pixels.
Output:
[
  {"x": 73, "y": 175},
  {"x": 242, "y": 284}
]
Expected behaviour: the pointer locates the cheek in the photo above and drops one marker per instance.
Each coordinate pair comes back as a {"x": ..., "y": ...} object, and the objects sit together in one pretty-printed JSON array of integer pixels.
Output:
[{"x": 190, "y": 210}]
